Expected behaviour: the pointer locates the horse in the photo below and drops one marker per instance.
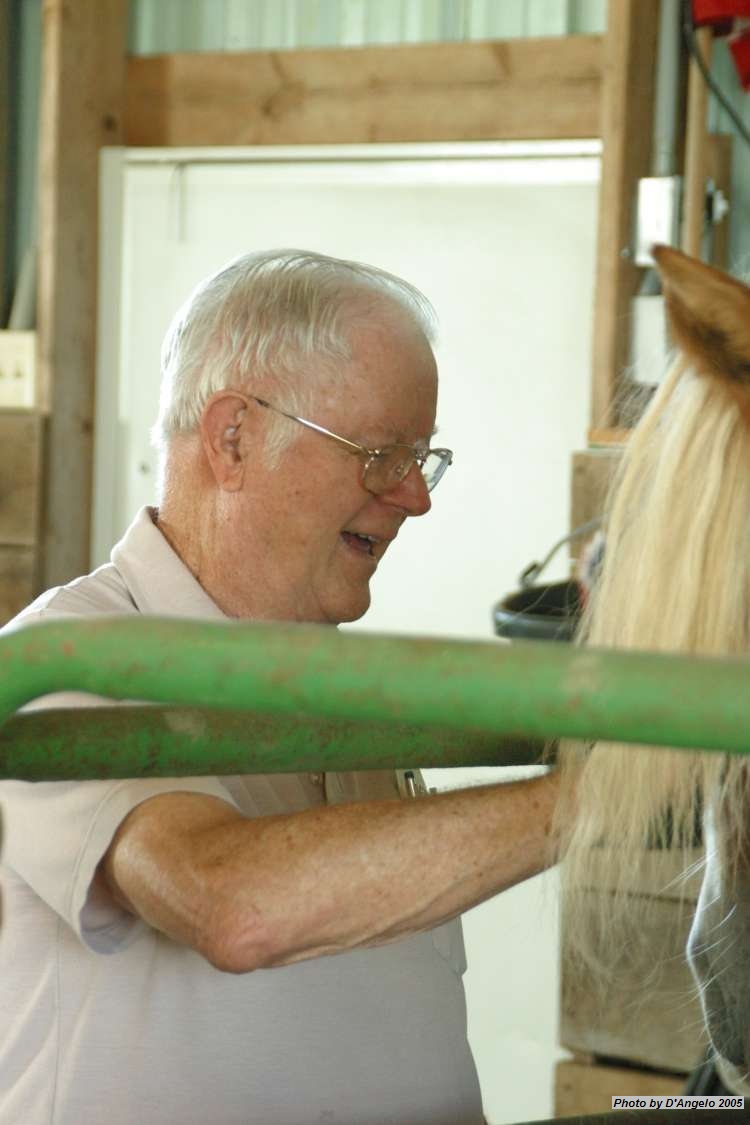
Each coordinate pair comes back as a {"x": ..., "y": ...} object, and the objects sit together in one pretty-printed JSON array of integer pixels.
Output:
[{"x": 675, "y": 577}]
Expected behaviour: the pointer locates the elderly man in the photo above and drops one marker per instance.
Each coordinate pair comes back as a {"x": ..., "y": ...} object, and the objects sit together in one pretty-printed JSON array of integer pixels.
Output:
[{"x": 165, "y": 955}]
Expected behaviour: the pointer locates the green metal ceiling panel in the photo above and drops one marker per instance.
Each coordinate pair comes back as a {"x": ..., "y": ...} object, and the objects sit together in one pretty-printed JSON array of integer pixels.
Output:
[{"x": 210, "y": 25}]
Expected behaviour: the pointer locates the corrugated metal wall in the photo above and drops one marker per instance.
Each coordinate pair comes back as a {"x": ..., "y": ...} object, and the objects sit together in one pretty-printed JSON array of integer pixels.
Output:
[{"x": 216, "y": 25}]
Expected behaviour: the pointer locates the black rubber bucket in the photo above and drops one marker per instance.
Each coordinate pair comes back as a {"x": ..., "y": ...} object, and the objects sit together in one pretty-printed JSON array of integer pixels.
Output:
[{"x": 539, "y": 613}]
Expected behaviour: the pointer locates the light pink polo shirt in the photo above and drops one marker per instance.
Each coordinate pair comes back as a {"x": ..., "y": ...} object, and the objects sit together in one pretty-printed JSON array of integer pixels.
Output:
[{"x": 104, "y": 1020}]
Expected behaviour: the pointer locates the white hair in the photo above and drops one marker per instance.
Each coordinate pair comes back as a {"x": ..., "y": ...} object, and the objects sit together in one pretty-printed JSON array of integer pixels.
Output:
[
  {"x": 675, "y": 578},
  {"x": 276, "y": 313}
]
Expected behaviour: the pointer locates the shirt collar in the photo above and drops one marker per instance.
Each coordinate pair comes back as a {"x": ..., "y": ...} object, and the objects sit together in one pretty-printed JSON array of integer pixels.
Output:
[{"x": 156, "y": 577}]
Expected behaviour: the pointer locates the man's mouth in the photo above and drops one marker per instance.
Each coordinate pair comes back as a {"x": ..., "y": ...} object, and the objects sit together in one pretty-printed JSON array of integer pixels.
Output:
[{"x": 358, "y": 541}]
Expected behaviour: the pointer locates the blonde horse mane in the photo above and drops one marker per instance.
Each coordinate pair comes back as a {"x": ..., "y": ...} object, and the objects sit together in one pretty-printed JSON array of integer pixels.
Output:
[{"x": 676, "y": 578}]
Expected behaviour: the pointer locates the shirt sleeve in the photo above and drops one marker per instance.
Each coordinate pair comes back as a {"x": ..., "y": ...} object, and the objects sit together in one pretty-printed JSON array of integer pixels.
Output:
[{"x": 56, "y": 833}]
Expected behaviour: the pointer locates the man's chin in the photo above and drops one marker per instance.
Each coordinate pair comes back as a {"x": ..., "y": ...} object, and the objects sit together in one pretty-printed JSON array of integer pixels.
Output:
[{"x": 351, "y": 609}]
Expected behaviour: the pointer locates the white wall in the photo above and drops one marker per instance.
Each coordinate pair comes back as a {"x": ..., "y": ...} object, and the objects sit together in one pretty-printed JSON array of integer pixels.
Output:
[{"x": 504, "y": 247}]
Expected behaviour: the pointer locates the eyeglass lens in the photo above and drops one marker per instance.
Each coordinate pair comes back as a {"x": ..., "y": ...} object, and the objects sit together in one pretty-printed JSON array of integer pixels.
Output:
[
  {"x": 391, "y": 466},
  {"x": 434, "y": 467}
]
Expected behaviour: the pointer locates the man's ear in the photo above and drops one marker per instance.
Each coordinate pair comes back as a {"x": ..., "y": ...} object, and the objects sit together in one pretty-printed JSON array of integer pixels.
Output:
[{"x": 222, "y": 430}]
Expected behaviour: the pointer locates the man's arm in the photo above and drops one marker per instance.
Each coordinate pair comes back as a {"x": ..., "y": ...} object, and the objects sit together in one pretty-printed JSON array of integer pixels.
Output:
[{"x": 255, "y": 893}]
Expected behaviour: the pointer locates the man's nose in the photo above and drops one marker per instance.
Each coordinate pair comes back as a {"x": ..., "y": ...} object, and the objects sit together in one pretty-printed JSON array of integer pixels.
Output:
[{"x": 410, "y": 494}]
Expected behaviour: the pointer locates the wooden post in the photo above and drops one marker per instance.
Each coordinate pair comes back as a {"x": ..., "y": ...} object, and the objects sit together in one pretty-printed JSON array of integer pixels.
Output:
[
  {"x": 626, "y": 131},
  {"x": 5, "y": 101},
  {"x": 83, "y": 69},
  {"x": 696, "y": 149}
]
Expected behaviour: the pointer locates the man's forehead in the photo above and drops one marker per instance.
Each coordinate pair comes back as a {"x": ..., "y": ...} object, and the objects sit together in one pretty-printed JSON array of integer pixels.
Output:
[
  {"x": 387, "y": 326},
  {"x": 396, "y": 363}
]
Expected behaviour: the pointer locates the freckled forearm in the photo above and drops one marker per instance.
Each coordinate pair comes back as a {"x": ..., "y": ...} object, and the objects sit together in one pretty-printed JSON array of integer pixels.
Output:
[
  {"x": 365, "y": 874},
  {"x": 275, "y": 890}
]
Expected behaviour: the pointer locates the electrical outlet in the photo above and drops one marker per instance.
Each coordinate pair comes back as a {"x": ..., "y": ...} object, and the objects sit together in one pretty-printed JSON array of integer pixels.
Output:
[{"x": 18, "y": 369}]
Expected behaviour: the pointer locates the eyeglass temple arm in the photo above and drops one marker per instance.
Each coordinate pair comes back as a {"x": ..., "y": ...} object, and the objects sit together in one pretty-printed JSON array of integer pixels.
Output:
[
  {"x": 318, "y": 429},
  {"x": 420, "y": 455}
]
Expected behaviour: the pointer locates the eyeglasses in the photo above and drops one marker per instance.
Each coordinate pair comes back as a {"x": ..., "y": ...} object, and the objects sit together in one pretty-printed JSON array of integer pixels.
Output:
[{"x": 384, "y": 468}]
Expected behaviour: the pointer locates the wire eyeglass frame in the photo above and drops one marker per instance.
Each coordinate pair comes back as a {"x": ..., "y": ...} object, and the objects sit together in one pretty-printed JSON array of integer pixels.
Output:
[{"x": 393, "y": 469}]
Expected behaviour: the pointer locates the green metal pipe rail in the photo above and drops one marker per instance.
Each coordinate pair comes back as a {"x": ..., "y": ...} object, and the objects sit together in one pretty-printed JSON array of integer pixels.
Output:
[
  {"x": 109, "y": 742},
  {"x": 321, "y": 699},
  {"x": 264, "y": 698}
]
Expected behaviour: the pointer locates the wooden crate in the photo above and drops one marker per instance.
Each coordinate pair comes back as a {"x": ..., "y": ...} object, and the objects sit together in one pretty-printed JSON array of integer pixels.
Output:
[
  {"x": 21, "y": 451},
  {"x": 592, "y": 471},
  {"x": 588, "y": 1087},
  {"x": 646, "y": 1011},
  {"x": 18, "y": 568},
  {"x": 641, "y": 1015}
]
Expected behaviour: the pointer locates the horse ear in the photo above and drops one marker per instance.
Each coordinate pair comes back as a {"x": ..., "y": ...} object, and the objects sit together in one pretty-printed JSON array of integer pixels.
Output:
[{"x": 708, "y": 314}]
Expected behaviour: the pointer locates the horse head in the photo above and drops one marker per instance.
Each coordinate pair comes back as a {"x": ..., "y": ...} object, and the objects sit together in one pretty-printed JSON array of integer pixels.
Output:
[{"x": 676, "y": 578}]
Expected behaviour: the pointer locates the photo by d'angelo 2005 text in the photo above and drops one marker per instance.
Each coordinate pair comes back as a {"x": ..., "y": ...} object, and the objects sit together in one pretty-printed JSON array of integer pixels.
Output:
[{"x": 678, "y": 1101}]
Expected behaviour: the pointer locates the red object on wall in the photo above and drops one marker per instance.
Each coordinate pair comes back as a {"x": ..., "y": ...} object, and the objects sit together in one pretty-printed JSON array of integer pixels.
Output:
[
  {"x": 720, "y": 12},
  {"x": 740, "y": 48},
  {"x": 721, "y": 15}
]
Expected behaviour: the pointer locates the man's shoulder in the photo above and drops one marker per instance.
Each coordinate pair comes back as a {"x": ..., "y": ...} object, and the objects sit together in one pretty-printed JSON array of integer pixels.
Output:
[{"x": 101, "y": 592}]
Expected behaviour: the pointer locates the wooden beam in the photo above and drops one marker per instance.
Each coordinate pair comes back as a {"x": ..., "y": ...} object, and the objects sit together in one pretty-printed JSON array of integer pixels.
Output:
[
  {"x": 5, "y": 104},
  {"x": 627, "y": 127},
  {"x": 696, "y": 149},
  {"x": 510, "y": 90},
  {"x": 83, "y": 69}
]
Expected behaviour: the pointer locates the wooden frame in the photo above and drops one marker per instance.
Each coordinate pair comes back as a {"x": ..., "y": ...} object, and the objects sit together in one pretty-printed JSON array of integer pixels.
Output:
[
  {"x": 627, "y": 115},
  {"x": 511, "y": 90},
  {"x": 541, "y": 88},
  {"x": 696, "y": 149},
  {"x": 627, "y": 126},
  {"x": 5, "y": 101},
  {"x": 565, "y": 87},
  {"x": 83, "y": 73}
]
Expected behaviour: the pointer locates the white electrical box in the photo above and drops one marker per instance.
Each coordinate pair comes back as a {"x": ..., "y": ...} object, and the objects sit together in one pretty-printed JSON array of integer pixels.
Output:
[
  {"x": 658, "y": 215},
  {"x": 18, "y": 365}
]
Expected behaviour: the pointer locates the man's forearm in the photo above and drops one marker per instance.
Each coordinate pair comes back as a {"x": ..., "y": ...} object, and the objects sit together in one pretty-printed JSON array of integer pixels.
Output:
[{"x": 279, "y": 889}]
